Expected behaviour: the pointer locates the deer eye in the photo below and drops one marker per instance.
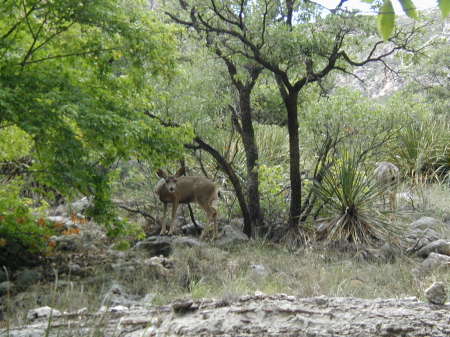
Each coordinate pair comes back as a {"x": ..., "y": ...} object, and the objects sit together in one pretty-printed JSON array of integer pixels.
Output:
[{"x": 174, "y": 180}]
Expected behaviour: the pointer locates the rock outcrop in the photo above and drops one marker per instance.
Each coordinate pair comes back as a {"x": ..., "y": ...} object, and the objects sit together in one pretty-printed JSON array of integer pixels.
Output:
[{"x": 259, "y": 315}]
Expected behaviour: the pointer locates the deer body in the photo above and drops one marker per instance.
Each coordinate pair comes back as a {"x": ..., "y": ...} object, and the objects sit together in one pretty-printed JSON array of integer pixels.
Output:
[
  {"x": 179, "y": 189},
  {"x": 388, "y": 177}
]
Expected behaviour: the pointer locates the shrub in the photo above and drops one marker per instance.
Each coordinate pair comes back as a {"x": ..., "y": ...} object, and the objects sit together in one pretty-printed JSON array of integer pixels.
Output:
[
  {"x": 349, "y": 194},
  {"x": 24, "y": 234}
]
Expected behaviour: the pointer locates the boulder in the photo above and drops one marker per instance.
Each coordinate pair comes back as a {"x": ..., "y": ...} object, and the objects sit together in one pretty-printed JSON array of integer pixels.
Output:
[
  {"x": 259, "y": 270},
  {"x": 259, "y": 315},
  {"x": 231, "y": 236},
  {"x": 432, "y": 262},
  {"x": 425, "y": 223},
  {"x": 436, "y": 293},
  {"x": 80, "y": 206},
  {"x": 185, "y": 241},
  {"x": 58, "y": 219},
  {"x": 117, "y": 296},
  {"x": 156, "y": 245},
  {"x": 417, "y": 239},
  {"x": 438, "y": 246},
  {"x": 42, "y": 312}
]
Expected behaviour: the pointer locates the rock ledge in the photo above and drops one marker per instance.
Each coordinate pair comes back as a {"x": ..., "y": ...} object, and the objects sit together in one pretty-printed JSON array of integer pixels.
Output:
[{"x": 259, "y": 315}]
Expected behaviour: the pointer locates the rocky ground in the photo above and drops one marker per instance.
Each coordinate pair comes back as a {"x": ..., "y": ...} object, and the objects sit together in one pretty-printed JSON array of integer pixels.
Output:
[
  {"x": 127, "y": 315},
  {"x": 258, "y": 315}
]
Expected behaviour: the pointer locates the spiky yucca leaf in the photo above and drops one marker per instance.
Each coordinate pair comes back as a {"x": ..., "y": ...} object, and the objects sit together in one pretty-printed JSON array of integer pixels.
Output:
[{"x": 349, "y": 194}]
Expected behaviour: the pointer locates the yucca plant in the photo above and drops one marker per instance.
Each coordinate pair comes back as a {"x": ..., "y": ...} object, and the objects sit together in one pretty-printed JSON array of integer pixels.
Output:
[
  {"x": 423, "y": 147},
  {"x": 349, "y": 194}
]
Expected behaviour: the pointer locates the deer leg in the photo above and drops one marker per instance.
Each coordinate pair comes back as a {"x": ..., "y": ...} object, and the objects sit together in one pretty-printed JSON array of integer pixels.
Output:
[
  {"x": 174, "y": 213},
  {"x": 212, "y": 224},
  {"x": 163, "y": 222}
]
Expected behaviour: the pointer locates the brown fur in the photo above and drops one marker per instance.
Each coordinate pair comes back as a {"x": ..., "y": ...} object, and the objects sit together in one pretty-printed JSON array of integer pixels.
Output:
[{"x": 177, "y": 189}]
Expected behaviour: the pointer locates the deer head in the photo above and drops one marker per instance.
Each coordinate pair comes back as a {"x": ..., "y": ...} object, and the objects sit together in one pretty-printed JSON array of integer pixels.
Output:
[{"x": 170, "y": 181}]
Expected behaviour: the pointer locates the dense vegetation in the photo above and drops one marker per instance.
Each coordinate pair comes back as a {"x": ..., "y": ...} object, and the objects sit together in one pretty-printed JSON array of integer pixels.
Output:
[{"x": 95, "y": 96}]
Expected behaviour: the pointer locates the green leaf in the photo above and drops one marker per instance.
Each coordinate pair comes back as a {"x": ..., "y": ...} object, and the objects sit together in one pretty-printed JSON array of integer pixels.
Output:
[
  {"x": 444, "y": 5},
  {"x": 409, "y": 8},
  {"x": 386, "y": 20}
]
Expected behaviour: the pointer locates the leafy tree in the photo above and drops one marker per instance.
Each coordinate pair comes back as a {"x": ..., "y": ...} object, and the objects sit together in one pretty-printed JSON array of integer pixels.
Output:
[
  {"x": 75, "y": 77},
  {"x": 299, "y": 46}
]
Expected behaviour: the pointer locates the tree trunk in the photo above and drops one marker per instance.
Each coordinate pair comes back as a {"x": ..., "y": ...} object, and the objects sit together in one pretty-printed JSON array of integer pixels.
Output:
[
  {"x": 251, "y": 155},
  {"x": 290, "y": 100},
  {"x": 234, "y": 179}
]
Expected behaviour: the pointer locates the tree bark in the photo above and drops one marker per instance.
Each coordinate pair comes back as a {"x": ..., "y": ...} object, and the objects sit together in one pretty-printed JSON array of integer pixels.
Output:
[
  {"x": 251, "y": 155},
  {"x": 234, "y": 179},
  {"x": 290, "y": 100}
]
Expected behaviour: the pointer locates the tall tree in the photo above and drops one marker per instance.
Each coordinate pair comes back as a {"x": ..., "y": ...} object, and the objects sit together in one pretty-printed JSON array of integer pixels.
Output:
[
  {"x": 74, "y": 75},
  {"x": 299, "y": 45}
]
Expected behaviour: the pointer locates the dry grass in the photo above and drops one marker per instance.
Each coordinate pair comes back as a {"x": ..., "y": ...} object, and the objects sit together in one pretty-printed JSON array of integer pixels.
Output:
[
  {"x": 217, "y": 273},
  {"x": 210, "y": 272}
]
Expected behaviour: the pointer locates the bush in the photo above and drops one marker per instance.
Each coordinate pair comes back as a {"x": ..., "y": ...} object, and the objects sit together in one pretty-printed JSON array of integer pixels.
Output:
[
  {"x": 421, "y": 146},
  {"x": 24, "y": 235},
  {"x": 349, "y": 194}
]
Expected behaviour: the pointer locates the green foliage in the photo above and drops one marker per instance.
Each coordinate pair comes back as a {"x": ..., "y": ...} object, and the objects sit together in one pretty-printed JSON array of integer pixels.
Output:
[
  {"x": 24, "y": 234},
  {"x": 273, "y": 189},
  {"x": 14, "y": 143},
  {"x": 349, "y": 194},
  {"x": 421, "y": 146},
  {"x": 444, "y": 5},
  {"x": 409, "y": 8},
  {"x": 273, "y": 144},
  {"x": 386, "y": 14},
  {"x": 386, "y": 19},
  {"x": 75, "y": 79},
  {"x": 428, "y": 78},
  {"x": 348, "y": 118}
]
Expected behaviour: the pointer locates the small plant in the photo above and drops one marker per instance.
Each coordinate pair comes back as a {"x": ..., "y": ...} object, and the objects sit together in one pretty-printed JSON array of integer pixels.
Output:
[
  {"x": 349, "y": 195},
  {"x": 24, "y": 235}
]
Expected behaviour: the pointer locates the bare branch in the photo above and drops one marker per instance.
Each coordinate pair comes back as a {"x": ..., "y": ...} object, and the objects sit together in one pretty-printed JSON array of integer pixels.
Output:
[
  {"x": 222, "y": 17},
  {"x": 349, "y": 73}
]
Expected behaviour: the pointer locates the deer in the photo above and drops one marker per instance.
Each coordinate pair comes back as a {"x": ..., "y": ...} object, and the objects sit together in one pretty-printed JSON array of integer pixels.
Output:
[
  {"x": 178, "y": 189},
  {"x": 387, "y": 176}
]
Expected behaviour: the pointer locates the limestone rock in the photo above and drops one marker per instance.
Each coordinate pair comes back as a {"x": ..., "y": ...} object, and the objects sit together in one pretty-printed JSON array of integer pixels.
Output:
[
  {"x": 425, "y": 223},
  {"x": 433, "y": 262},
  {"x": 436, "y": 293},
  {"x": 156, "y": 245},
  {"x": 184, "y": 241},
  {"x": 230, "y": 236},
  {"x": 258, "y": 315},
  {"x": 438, "y": 246},
  {"x": 259, "y": 270},
  {"x": 42, "y": 312},
  {"x": 80, "y": 206}
]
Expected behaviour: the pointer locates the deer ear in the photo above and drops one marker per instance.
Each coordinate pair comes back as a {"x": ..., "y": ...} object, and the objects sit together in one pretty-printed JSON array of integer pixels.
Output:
[
  {"x": 161, "y": 173},
  {"x": 180, "y": 172}
]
